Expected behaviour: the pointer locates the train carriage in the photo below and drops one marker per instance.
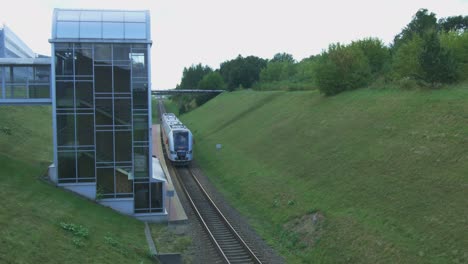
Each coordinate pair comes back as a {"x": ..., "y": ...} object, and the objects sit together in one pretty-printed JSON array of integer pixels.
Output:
[{"x": 177, "y": 140}]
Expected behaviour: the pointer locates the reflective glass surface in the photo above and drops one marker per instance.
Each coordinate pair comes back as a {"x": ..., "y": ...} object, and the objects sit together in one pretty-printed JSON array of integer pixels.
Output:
[
  {"x": 90, "y": 30},
  {"x": 66, "y": 164},
  {"x": 113, "y": 16},
  {"x": 66, "y": 130},
  {"x": 91, "y": 16},
  {"x": 135, "y": 30},
  {"x": 112, "y": 30},
  {"x": 86, "y": 164},
  {"x": 135, "y": 16},
  {"x": 67, "y": 29}
]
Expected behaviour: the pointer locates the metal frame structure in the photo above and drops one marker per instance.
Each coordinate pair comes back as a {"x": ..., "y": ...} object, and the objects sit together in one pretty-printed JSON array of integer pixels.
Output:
[{"x": 139, "y": 46}]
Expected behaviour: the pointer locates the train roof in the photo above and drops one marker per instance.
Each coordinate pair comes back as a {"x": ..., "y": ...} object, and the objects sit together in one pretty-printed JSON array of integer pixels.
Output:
[{"x": 171, "y": 120}]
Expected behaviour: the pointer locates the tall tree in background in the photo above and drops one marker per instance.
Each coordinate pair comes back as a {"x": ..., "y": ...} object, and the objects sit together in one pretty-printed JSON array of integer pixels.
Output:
[
  {"x": 422, "y": 22},
  {"x": 283, "y": 57},
  {"x": 453, "y": 23},
  {"x": 376, "y": 52},
  {"x": 211, "y": 81},
  {"x": 436, "y": 62},
  {"x": 242, "y": 72},
  {"x": 193, "y": 75}
]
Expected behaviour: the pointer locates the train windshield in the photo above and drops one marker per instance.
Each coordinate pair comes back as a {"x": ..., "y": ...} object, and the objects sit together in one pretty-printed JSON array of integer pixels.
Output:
[{"x": 181, "y": 140}]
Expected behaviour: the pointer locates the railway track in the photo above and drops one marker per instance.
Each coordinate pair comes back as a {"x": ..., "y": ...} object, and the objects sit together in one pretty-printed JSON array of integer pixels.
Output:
[{"x": 230, "y": 246}]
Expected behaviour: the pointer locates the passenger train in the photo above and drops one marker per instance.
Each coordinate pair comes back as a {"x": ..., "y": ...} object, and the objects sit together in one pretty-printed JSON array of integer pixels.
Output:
[{"x": 177, "y": 140}]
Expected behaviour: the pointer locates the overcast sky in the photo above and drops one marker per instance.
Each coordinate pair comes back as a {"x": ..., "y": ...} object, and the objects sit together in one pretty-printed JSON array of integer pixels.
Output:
[{"x": 212, "y": 31}]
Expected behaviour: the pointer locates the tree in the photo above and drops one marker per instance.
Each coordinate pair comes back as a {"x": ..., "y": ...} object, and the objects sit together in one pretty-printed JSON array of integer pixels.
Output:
[
  {"x": 342, "y": 68},
  {"x": 241, "y": 71},
  {"x": 453, "y": 23},
  {"x": 406, "y": 59},
  {"x": 193, "y": 75},
  {"x": 422, "y": 22},
  {"x": 211, "y": 81},
  {"x": 375, "y": 51},
  {"x": 437, "y": 63},
  {"x": 283, "y": 57}
]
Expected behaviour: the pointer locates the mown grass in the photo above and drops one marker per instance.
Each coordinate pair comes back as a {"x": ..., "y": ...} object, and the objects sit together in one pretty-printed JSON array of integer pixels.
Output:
[
  {"x": 40, "y": 223},
  {"x": 387, "y": 169}
]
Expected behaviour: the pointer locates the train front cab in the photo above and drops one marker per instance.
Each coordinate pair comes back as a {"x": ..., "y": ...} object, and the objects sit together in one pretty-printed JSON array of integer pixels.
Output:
[{"x": 181, "y": 149}]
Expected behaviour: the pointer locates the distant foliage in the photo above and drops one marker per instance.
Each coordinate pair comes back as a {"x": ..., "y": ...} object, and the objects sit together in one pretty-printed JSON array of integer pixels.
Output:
[
  {"x": 426, "y": 51},
  {"x": 406, "y": 62},
  {"x": 422, "y": 22},
  {"x": 242, "y": 72},
  {"x": 376, "y": 52},
  {"x": 453, "y": 23},
  {"x": 342, "y": 68},
  {"x": 437, "y": 63},
  {"x": 457, "y": 44},
  {"x": 211, "y": 81},
  {"x": 193, "y": 75}
]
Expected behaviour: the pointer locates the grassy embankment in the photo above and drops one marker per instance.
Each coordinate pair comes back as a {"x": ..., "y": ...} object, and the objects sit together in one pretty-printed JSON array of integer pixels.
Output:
[
  {"x": 40, "y": 223},
  {"x": 384, "y": 172}
]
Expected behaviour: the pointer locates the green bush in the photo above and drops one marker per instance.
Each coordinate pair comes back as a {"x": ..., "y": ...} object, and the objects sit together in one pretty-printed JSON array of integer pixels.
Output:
[
  {"x": 342, "y": 68},
  {"x": 457, "y": 44},
  {"x": 376, "y": 53},
  {"x": 406, "y": 62},
  {"x": 438, "y": 64}
]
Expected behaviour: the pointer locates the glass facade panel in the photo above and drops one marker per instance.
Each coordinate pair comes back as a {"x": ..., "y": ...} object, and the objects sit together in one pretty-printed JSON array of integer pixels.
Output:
[
  {"x": 66, "y": 164},
  {"x": 64, "y": 62},
  {"x": 123, "y": 146},
  {"x": 66, "y": 130},
  {"x": 139, "y": 64},
  {"x": 104, "y": 113},
  {"x": 64, "y": 94},
  {"x": 122, "y": 111},
  {"x": 17, "y": 91},
  {"x": 39, "y": 91},
  {"x": 84, "y": 95},
  {"x": 113, "y": 16},
  {"x": 105, "y": 181},
  {"x": 140, "y": 99},
  {"x": 86, "y": 164},
  {"x": 142, "y": 194},
  {"x": 121, "y": 79},
  {"x": 156, "y": 197},
  {"x": 123, "y": 182},
  {"x": 83, "y": 62},
  {"x": 103, "y": 52},
  {"x": 68, "y": 15},
  {"x": 135, "y": 16},
  {"x": 91, "y": 16},
  {"x": 104, "y": 146},
  {"x": 141, "y": 162},
  {"x": 140, "y": 128},
  {"x": 22, "y": 74},
  {"x": 135, "y": 30},
  {"x": 112, "y": 30},
  {"x": 103, "y": 79},
  {"x": 67, "y": 29},
  {"x": 85, "y": 129},
  {"x": 90, "y": 30},
  {"x": 42, "y": 74},
  {"x": 121, "y": 52}
]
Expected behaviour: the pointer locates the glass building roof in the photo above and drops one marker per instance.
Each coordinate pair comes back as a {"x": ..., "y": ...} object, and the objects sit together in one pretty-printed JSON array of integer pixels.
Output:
[{"x": 100, "y": 25}]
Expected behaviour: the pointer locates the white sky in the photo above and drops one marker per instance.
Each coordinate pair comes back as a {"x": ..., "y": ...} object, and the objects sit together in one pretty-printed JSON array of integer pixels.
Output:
[{"x": 186, "y": 32}]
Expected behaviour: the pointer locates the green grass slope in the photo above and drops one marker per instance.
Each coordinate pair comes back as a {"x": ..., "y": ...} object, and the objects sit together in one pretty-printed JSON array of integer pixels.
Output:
[
  {"x": 32, "y": 212},
  {"x": 387, "y": 170}
]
